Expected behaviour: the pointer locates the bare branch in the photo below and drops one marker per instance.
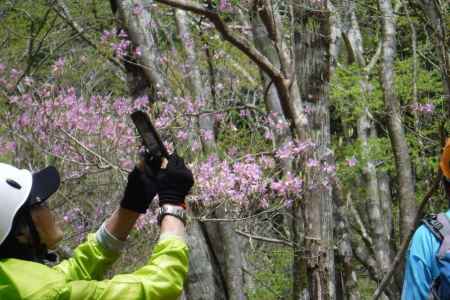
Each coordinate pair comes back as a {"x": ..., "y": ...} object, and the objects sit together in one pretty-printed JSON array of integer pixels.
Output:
[
  {"x": 265, "y": 239},
  {"x": 61, "y": 10},
  {"x": 239, "y": 42}
]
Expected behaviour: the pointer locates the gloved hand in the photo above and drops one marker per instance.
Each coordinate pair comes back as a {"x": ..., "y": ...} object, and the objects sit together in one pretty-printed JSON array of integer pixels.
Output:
[
  {"x": 174, "y": 182},
  {"x": 139, "y": 192},
  {"x": 151, "y": 164}
]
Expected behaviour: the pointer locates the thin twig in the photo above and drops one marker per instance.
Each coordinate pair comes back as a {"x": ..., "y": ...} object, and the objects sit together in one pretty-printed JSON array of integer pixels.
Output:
[
  {"x": 265, "y": 239},
  {"x": 100, "y": 158},
  {"x": 64, "y": 14}
]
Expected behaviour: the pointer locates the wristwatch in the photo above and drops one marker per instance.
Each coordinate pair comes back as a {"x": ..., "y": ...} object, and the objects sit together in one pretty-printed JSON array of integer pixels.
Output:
[{"x": 175, "y": 211}]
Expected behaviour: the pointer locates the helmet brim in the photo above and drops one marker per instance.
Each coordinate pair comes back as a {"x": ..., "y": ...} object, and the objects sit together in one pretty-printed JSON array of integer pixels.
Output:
[{"x": 45, "y": 183}]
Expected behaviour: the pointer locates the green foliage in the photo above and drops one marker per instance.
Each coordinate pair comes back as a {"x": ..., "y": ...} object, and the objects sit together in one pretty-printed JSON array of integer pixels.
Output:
[
  {"x": 273, "y": 280},
  {"x": 429, "y": 85},
  {"x": 348, "y": 97}
]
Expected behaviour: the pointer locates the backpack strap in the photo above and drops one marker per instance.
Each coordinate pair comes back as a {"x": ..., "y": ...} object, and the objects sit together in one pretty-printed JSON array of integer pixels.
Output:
[{"x": 439, "y": 225}]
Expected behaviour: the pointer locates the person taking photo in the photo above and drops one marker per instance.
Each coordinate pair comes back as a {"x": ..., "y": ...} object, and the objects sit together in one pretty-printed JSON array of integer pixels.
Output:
[{"x": 28, "y": 230}]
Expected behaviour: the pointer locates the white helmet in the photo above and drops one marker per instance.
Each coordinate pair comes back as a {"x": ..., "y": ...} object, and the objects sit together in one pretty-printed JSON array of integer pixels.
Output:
[{"x": 17, "y": 186}]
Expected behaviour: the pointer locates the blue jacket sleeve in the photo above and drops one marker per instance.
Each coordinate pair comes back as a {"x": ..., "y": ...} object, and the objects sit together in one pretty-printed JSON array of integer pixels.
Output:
[{"x": 421, "y": 268}]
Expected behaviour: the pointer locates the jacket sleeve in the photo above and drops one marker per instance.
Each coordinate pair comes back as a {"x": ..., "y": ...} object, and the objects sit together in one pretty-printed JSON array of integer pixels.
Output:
[
  {"x": 419, "y": 270},
  {"x": 161, "y": 278},
  {"x": 89, "y": 262}
]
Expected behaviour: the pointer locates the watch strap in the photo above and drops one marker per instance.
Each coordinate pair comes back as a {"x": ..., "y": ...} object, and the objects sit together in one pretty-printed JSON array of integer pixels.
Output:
[{"x": 175, "y": 211}]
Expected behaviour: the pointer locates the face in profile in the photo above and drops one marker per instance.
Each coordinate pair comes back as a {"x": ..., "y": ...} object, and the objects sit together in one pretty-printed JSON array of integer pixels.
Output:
[{"x": 48, "y": 229}]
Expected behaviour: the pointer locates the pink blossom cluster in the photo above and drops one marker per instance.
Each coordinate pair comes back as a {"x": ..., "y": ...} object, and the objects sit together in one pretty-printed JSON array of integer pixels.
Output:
[
  {"x": 243, "y": 182},
  {"x": 289, "y": 184},
  {"x": 6, "y": 146},
  {"x": 293, "y": 149},
  {"x": 426, "y": 108},
  {"x": 120, "y": 44},
  {"x": 224, "y": 5},
  {"x": 75, "y": 127},
  {"x": 71, "y": 126}
]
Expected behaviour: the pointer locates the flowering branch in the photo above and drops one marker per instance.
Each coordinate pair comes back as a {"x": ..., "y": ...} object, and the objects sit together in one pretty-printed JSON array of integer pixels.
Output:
[{"x": 282, "y": 83}]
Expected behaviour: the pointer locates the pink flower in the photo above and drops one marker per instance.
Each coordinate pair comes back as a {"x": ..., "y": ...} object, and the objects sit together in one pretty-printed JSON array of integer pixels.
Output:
[
  {"x": 267, "y": 162},
  {"x": 278, "y": 186},
  {"x": 244, "y": 113},
  {"x": 224, "y": 5},
  {"x": 208, "y": 135},
  {"x": 182, "y": 135},
  {"x": 329, "y": 169},
  {"x": 120, "y": 49},
  {"x": 312, "y": 163},
  {"x": 268, "y": 135},
  {"x": 137, "y": 52},
  {"x": 15, "y": 74},
  {"x": 126, "y": 164},
  {"x": 7, "y": 147},
  {"x": 232, "y": 151},
  {"x": 351, "y": 162},
  {"x": 137, "y": 9},
  {"x": 141, "y": 102},
  {"x": 427, "y": 108},
  {"x": 58, "y": 66},
  {"x": 106, "y": 35}
]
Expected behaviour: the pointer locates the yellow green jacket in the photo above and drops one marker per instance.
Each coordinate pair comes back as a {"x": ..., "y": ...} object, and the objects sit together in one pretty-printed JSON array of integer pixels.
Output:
[{"x": 80, "y": 277}]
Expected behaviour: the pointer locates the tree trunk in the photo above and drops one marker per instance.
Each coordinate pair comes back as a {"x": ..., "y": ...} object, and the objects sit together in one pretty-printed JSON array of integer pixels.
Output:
[
  {"x": 273, "y": 105},
  {"x": 227, "y": 248},
  {"x": 435, "y": 13},
  {"x": 204, "y": 281},
  {"x": 378, "y": 202},
  {"x": 138, "y": 31},
  {"x": 349, "y": 288},
  {"x": 313, "y": 67},
  {"x": 408, "y": 207}
]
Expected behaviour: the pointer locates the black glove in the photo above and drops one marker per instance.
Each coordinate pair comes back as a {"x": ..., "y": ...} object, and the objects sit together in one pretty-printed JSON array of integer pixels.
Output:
[
  {"x": 152, "y": 164},
  {"x": 140, "y": 191},
  {"x": 174, "y": 182}
]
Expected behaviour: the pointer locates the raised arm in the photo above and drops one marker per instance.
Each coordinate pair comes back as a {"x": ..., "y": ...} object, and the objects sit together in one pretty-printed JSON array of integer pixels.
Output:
[{"x": 93, "y": 258}]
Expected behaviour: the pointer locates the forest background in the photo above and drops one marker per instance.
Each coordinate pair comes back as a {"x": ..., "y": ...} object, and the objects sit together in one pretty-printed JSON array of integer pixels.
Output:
[{"x": 313, "y": 128}]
